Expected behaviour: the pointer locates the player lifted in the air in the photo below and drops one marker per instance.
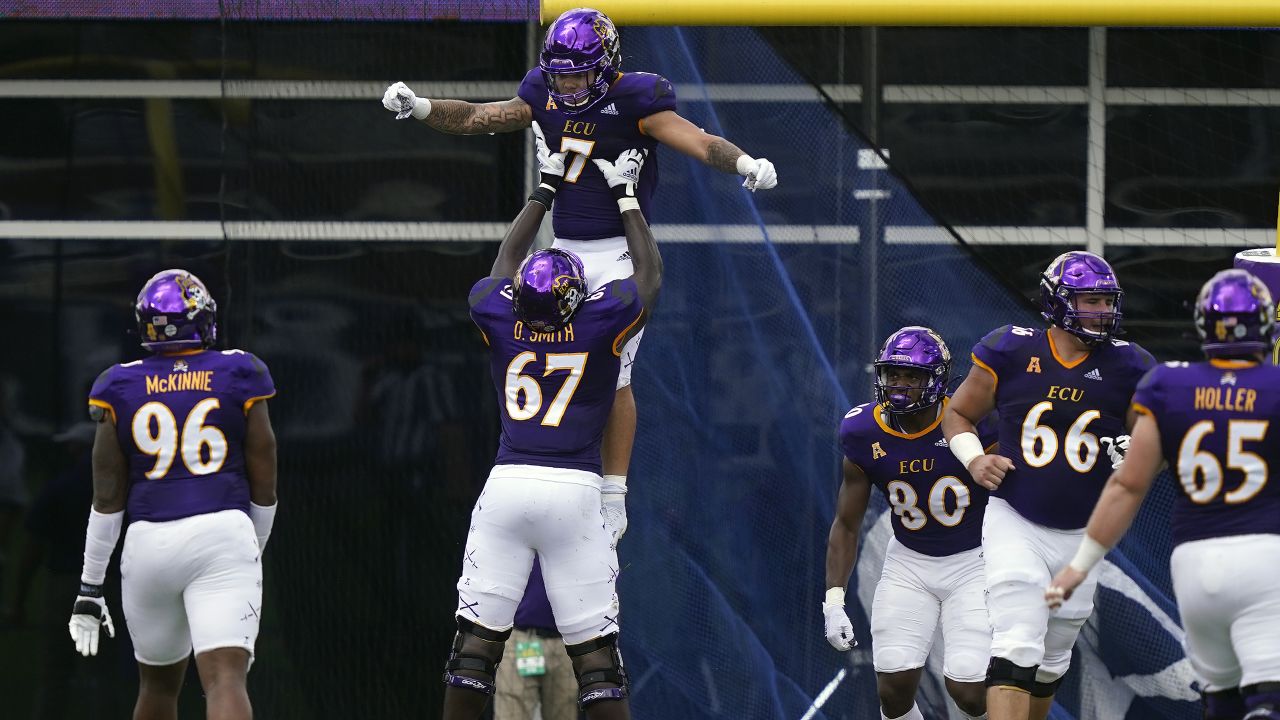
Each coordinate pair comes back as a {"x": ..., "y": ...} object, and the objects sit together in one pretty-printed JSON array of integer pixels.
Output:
[
  {"x": 1062, "y": 396},
  {"x": 1211, "y": 421},
  {"x": 933, "y": 565},
  {"x": 555, "y": 347},
  {"x": 185, "y": 444},
  {"x": 588, "y": 108}
]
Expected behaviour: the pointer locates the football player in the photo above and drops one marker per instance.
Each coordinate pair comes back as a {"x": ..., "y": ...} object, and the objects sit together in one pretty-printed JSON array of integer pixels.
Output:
[
  {"x": 933, "y": 565},
  {"x": 185, "y": 444},
  {"x": 1211, "y": 421},
  {"x": 555, "y": 348},
  {"x": 1062, "y": 396},
  {"x": 588, "y": 108}
]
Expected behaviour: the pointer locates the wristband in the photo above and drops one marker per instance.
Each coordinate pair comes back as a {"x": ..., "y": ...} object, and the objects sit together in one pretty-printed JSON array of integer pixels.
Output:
[
  {"x": 746, "y": 164},
  {"x": 544, "y": 195},
  {"x": 835, "y": 596},
  {"x": 628, "y": 203},
  {"x": 1088, "y": 554},
  {"x": 614, "y": 485},
  {"x": 966, "y": 447},
  {"x": 263, "y": 518},
  {"x": 421, "y": 108},
  {"x": 551, "y": 181}
]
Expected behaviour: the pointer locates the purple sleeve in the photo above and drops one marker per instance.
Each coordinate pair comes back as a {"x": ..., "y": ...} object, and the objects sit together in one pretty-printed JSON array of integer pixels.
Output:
[
  {"x": 532, "y": 89},
  {"x": 254, "y": 380},
  {"x": 484, "y": 299},
  {"x": 993, "y": 350},
  {"x": 102, "y": 395},
  {"x": 625, "y": 304},
  {"x": 657, "y": 96},
  {"x": 1149, "y": 396},
  {"x": 849, "y": 426}
]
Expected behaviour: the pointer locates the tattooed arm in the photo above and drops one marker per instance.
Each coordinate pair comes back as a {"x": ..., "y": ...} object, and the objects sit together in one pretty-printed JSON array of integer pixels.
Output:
[
  {"x": 458, "y": 117},
  {"x": 675, "y": 132}
]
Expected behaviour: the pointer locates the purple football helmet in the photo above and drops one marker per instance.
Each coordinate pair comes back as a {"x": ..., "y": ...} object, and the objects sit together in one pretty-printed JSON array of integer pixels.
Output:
[
  {"x": 917, "y": 348},
  {"x": 175, "y": 311},
  {"x": 1235, "y": 315},
  {"x": 548, "y": 288},
  {"x": 1070, "y": 275},
  {"x": 580, "y": 41}
]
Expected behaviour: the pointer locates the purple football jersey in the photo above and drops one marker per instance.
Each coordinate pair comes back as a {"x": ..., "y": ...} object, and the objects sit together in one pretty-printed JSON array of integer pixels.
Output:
[
  {"x": 555, "y": 390},
  {"x": 1052, "y": 415},
  {"x": 936, "y": 507},
  {"x": 1214, "y": 419},
  {"x": 181, "y": 421},
  {"x": 585, "y": 208}
]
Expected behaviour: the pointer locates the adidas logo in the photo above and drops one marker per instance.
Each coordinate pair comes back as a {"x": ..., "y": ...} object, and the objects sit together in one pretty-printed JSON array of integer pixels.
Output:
[
  {"x": 626, "y": 255},
  {"x": 942, "y": 442},
  {"x": 1094, "y": 374},
  {"x": 610, "y": 109}
]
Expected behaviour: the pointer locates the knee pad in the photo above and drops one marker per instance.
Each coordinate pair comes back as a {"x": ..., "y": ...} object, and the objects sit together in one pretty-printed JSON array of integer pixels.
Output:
[
  {"x": 1001, "y": 672},
  {"x": 476, "y": 649},
  {"x": 1045, "y": 689},
  {"x": 598, "y": 662},
  {"x": 1261, "y": 701},
  {"x": 1223, "y": 705}
]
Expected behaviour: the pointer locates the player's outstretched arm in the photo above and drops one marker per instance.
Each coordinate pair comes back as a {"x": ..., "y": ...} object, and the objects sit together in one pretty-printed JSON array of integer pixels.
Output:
[
  {"x": 458, "y": 117},
  {"x": 623, "y": 175},
  {"x": 671, "y": 130},
  {"x": 842, "y": 552},
  {"x": 260, "y": 467},
  {"x": 974, "y": 400},
  {"x": 1116, "y": 509},
  {"x": 519, "y": 238}
]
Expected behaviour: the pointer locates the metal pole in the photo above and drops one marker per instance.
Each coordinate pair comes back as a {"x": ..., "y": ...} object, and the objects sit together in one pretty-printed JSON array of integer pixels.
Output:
[
  {"x": 1096, "y": 189},
  {"x": 871, "y": 93}
]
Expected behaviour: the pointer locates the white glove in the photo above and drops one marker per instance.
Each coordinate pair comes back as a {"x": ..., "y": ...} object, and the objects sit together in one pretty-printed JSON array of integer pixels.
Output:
[
  {"x": 87, "y": 616},
  {"x": 625, "y": 171},
  {"x": 549, "y": 163},
  {"x": 759, "y": 174},
  {"x": 613, "y": 507},
  {"x": 1116, "y": 449},
  {"x": 400, "y": 100},
  {"x": 838, "y": 628}
]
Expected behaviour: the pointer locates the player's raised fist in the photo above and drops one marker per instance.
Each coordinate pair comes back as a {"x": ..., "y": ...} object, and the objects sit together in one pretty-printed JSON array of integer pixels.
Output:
[
  {"x": 399, "y": 99},
  {"x": 989, "y": 470},
  {"x": 759, "y": 173}
]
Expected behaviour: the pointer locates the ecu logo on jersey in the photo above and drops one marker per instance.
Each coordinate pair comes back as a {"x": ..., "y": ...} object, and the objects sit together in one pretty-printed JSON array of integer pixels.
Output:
[{"x": 1034, "y": 365}]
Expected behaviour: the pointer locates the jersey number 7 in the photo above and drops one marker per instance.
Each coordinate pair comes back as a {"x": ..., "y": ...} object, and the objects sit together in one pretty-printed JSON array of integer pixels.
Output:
[{"x": 518, "y": 385}]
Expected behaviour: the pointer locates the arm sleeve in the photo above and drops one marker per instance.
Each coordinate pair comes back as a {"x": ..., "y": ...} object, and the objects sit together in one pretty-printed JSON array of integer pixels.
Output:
[
  {"x": 255, "y": 381},
  {"x": 625, "y": 308},
  {"x": 848, "y": 436},
  {"x": 1148, "y": 398},
  {"x": 103, "y": 396},
  {"x": 993, "y": 351},
  {"x": 532, "y": 89},
  {"x": 659, "y": 96}
]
